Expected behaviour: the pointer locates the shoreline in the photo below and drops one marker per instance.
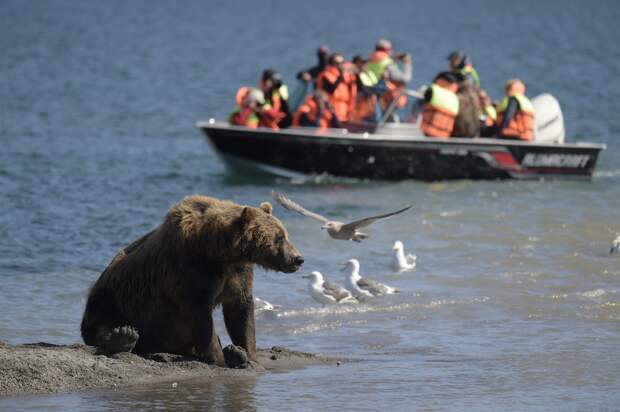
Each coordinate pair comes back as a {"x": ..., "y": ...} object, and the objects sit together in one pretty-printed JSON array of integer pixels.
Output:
[{"x": 40, "y": 368}]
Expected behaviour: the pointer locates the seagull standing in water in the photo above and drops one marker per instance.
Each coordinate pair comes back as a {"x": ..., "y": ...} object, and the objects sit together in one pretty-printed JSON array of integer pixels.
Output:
[
  {"x": 402, "y": 262},
  {"x": 615, "y": 247},
  {"x": 364, "y": 288},
  {"x": 336, "y": 229},
  {"x": 326, "y": 292}
]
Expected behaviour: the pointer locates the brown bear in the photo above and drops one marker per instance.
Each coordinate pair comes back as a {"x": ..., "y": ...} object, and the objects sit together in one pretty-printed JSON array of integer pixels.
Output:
[{"x": 158, "y": 294}]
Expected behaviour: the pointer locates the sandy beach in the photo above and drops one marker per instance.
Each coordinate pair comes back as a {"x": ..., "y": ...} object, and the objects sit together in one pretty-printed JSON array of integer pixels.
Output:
[{"x": 48, "y": 368}]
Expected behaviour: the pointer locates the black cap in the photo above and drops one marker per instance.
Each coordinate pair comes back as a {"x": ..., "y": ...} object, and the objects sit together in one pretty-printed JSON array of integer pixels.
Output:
[
  {"x": 358, "y": 59},
  {"x": 268, "y": 74}
]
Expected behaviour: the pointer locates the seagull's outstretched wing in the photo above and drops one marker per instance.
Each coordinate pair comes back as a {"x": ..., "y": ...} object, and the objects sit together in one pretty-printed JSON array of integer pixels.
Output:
[
  {"x": 335, "y": 290},
  {"x": 357, "y": 224},
  {"x": 290, "y": 205}
]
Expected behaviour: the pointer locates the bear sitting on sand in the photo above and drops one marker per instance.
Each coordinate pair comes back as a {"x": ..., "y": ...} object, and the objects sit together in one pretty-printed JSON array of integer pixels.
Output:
[{"x": 158, "y": 294}]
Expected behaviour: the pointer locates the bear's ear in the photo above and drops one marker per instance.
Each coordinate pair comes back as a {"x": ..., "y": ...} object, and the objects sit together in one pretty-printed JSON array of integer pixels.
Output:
[
  {"x": 266, "y": 207},
  {"x": 247, "y": 214}
]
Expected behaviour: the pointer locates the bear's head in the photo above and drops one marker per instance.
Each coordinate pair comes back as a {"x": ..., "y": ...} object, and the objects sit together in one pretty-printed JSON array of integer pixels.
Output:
[{"x": 264, "y": 240}]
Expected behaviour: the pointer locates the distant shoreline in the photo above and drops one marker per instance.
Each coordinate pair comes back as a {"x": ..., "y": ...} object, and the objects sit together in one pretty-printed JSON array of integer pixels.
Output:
[{"x": 47, "y": 368}]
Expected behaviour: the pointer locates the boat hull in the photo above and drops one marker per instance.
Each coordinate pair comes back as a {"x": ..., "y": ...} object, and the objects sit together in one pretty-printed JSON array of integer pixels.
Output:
[{"x": 393, "y": 157}]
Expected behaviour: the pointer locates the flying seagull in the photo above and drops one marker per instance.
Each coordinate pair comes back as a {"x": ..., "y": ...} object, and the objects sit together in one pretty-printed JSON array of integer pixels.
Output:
[
  {"x": 400, "y": 261},
  {"x": 364, "y": 288},
  {"x": 326, "y": 292},
  {"x": 337, "y": 230}
]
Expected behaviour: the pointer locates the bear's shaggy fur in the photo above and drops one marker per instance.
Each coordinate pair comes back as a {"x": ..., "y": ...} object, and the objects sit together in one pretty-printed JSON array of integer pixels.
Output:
[{"x": 158, "y": 293}]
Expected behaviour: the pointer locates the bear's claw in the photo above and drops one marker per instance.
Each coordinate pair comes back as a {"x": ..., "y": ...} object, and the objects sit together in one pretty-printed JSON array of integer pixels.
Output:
[{"x": 122, "y": 339}]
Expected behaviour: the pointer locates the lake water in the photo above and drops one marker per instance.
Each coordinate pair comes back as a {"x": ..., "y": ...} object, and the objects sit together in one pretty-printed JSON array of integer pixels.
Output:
[{"x": 515, "y": 304}]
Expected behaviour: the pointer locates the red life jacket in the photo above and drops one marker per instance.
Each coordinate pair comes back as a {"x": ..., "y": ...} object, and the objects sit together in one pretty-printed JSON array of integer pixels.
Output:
[
  {"x": 270, "y": 118},
  {"x": 244, "y": 117}
]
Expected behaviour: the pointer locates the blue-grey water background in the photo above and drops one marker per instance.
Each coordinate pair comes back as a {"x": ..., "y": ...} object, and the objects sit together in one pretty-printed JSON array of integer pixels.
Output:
[{"x": 515, "y": 304}]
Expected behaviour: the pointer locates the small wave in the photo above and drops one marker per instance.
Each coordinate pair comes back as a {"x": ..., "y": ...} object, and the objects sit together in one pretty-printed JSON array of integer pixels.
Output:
[
  {"x": 452, "y": 213},
  {"x": 608, "y": 311},
  {"x": 355, "y": 309},
  {"x": 607, "y": 173},
  {"x": 322, "y": 178},
  {"x": 316, "y": 327},
  {"x": 593, "y": 294},
  {"x": 597, "y": 294}
]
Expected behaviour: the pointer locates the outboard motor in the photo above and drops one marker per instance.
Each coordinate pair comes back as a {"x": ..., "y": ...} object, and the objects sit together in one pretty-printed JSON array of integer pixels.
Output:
[{"x": 549, "y": 122}]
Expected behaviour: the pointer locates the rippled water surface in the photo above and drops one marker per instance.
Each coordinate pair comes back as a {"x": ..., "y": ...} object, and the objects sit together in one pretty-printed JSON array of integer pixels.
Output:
[{"x": 515, "y": 304}]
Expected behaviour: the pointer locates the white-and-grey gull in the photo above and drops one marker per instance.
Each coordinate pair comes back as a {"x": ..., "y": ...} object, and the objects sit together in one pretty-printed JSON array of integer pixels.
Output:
[
  {"x": 336, "y": 229},
  {"x": 400, "y": 261},
  {"x": 363, "y": 288},
  {"x": 326, "y": 292}
]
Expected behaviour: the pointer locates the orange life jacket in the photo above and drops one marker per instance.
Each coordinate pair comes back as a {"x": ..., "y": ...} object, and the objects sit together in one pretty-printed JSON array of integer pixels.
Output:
[
  {"x": 521, "y": 126},
  {"x": 241, "y": 95},
  {"x": 310, "y": 110},
  {"x": 343, "y": 97},
  {"x": 439, "y": 114},
  {"x": 364, "y": 108}
]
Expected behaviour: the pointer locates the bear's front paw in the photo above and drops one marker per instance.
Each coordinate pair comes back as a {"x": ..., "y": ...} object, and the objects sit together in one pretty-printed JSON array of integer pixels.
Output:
[
  {"x": 236, "y": 357},
  {"x": 122, "y": 339}
]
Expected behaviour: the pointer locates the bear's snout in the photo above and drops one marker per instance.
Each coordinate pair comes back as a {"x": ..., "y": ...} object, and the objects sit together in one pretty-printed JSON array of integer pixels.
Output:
[
  {"x": 294, "y": 263},
  {"x": 298, "y": 261}
]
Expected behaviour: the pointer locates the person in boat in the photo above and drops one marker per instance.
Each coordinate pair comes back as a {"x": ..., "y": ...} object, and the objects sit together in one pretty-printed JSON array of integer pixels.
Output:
[
  {"x": 461, "y": 66},
  {"x": 249, "y": 102},
  {"x": 338, "y": 81},
  {"x": 252, "y": 110},
  {"x": 488, "y": 115},
  {"x": 309, "y": 75},
  {"x": 441, "y": 106},
  {"x": 515, "y": 113},
  {"x": 392, "y": 71},
  {"x": 467, "y": 123},
  {"x": 364, "y": 105},
  {"x": 276, "y": 95},
  {"x": 316, "y": 111}
]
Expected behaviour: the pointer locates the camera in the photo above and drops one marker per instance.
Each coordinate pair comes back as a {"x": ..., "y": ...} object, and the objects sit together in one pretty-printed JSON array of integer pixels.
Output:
[{"x": 400, "y": 56}]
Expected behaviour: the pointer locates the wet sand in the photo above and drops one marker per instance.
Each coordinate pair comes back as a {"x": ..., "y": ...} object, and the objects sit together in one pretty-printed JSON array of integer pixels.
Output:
[{"x": 48, "y": 368}]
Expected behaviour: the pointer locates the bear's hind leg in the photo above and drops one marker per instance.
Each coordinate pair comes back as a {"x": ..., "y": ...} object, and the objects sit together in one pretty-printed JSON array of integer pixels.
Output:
[{"x": 104, "y": 327}]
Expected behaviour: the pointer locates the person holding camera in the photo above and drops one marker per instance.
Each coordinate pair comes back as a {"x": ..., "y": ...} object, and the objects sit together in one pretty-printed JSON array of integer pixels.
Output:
[
  {"x": 310, "y": 75},
  {"x": 394, "y": 71},
  {"x": 461, "y": 65},
  {"x": 276, "y": 95}
]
